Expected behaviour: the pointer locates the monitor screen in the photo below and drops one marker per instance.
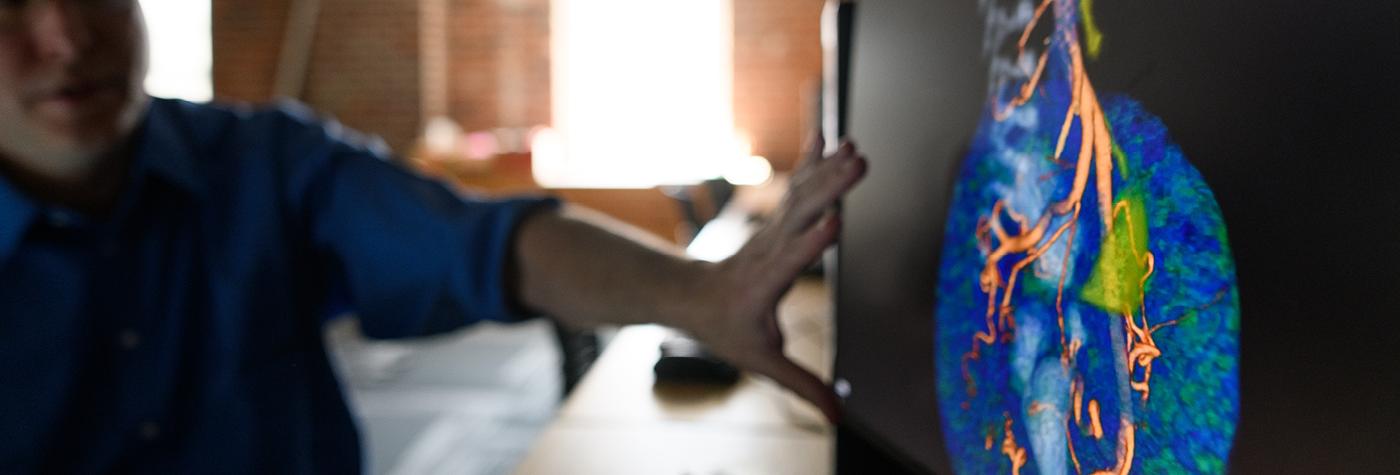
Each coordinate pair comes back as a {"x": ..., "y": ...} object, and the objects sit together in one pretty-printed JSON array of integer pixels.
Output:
[{"x": 1129, "y": 236}]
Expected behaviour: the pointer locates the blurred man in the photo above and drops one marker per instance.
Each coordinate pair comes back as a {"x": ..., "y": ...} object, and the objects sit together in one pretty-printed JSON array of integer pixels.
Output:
[{"x": 166, "y": 265}]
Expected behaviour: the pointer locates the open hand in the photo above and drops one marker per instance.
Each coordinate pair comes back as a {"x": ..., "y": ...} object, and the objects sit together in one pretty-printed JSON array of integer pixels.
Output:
[{"x": 748, "y": 285}]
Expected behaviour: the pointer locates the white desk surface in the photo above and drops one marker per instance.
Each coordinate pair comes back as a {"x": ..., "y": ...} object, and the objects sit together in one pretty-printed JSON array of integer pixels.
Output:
[{"x": 617, "y": 422}]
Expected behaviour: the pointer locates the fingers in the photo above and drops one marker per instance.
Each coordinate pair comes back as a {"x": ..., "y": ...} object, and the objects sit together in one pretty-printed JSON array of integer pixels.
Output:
[
  {"x": 812, "y": 194},
  {"x": 816, "y": 146},
  {"x": 809, "y": 245},
  {"x": 803, "y": 383}
]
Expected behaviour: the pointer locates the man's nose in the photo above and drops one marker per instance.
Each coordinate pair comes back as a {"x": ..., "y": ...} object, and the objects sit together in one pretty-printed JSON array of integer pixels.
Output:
[{"x": 60, "y": 32}]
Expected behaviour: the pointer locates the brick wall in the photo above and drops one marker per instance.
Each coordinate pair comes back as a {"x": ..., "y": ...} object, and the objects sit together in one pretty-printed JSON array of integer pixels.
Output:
[
  {"x": 386, "y": 66},
  {"x": 777, "y": 75},
  {"x": 499, "y": 63},
  {"x": 378, "y": 65},
  {"x": 247, "y": 39},
  {"x": 366, "y": 67},
  {"x": 373, "y": 65}
]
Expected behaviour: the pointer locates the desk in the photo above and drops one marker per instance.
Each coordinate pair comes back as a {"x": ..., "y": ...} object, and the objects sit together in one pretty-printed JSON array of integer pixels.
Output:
[{"x": 616, "y": 422}]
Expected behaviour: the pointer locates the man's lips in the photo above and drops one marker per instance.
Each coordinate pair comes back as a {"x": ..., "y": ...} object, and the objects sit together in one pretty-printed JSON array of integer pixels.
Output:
[
  {"x": 77, "y": 98},
  {"x": 77, "y": 91}
]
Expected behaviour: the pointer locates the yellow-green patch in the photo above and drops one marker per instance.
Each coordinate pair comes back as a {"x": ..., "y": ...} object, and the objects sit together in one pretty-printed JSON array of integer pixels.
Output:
[
  {"x": 1092, "y": 36},
  {"x": 1122, "y": 161},
  {"x": 1115, "y": 284}
]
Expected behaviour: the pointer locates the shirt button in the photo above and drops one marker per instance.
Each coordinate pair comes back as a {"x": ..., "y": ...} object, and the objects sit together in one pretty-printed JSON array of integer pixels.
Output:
[
  {"x": 129, "y": 339},
  {"x": 149, "y": 430}
]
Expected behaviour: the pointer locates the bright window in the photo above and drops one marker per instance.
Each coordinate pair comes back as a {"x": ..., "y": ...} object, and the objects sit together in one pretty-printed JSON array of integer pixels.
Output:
[
  {"x": 180, "y": 41},
  {"x": 643, "y": 94}
]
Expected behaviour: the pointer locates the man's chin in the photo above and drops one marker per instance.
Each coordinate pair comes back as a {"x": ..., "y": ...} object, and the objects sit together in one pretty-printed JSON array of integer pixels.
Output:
[
  {"x": 74, "y": 131},
  {"x": 90, "y": 134},
  {"x": 69, "y": 145},
  {"x": 66, "y": 154},
  {"x": 88, "y": 148}
]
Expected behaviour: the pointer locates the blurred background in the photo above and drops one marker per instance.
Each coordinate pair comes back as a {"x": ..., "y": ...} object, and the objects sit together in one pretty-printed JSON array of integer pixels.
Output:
[
  {"x": 598, "y": 100},
  {"x": 625, "y": 106}
]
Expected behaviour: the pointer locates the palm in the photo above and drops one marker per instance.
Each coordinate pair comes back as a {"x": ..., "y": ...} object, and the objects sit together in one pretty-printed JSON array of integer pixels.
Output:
[{"x": 756, "y": 278}]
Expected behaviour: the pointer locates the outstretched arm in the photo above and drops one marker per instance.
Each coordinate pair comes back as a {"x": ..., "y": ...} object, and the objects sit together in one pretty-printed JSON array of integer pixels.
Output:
[{"x": 586, "y": 270}]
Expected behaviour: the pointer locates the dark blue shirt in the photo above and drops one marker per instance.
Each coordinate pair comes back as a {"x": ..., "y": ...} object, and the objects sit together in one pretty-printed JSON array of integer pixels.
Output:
[{"x": 182, "y": 332}]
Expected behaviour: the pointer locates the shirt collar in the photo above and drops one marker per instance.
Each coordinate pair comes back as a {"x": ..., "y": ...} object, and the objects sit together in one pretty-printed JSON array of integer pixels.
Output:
[
  {"x": 165, "y": 148},
  {"x": 16, "y": 211}
]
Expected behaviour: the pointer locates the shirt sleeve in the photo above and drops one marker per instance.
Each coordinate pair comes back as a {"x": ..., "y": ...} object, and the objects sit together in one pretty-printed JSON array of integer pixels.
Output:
[{"x": 413, "y": 256}]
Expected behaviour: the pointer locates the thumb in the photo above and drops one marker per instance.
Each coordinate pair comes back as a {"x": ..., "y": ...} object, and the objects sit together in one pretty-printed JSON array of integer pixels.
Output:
[{"x": 802, "y": 382}]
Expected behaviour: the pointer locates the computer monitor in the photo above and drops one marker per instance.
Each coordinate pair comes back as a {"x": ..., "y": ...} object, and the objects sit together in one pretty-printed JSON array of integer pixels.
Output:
[{"x": 1212, "y": 284}]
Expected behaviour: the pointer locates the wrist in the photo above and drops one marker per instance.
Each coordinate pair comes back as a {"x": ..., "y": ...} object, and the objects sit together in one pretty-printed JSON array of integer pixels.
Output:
[{"x": 700, "y": 297}]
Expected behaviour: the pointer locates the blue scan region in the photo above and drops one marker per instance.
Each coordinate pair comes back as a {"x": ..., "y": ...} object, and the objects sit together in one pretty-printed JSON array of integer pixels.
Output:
[{"x": 1118, "y": 342}]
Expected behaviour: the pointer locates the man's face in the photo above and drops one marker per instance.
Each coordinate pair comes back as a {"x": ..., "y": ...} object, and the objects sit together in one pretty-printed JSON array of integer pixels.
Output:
[{"x": 71, "y": 75}]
